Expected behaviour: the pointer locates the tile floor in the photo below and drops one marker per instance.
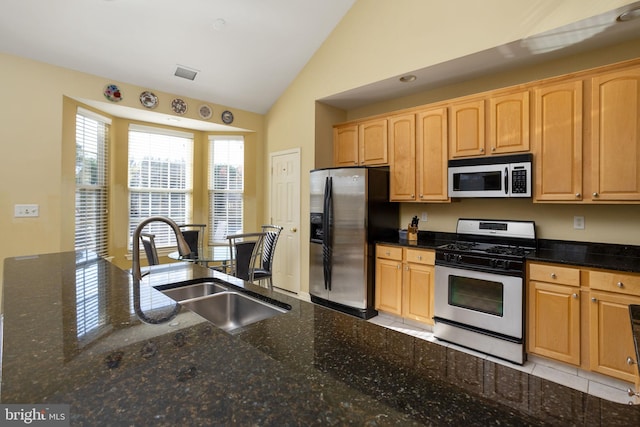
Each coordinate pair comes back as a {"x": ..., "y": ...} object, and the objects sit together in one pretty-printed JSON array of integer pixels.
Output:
[{"x": 587, "y": 382}]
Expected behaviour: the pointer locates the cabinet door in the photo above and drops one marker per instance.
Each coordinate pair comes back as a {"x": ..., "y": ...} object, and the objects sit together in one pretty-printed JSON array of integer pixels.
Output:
[
  {"x": 611, "y": 341},
  {"x": 373, "y": 142},
  {"x": 389, "y": 286},
  {"x": 467, "y": 129},
  {"x": 554, "y": 321},
  {"x": 418, "y": 281},
  {"x": 345, "y": 145},
  {"x": 509, "y": 123},
  {"x": 402, "y": 158},
  {"x": 557, "y": 143},
  {"x": 431, "y": 150},
  {"x": 615, "y": 136}
]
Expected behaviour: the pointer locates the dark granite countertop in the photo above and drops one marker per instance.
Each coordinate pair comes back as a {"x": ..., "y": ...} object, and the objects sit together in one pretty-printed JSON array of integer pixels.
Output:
[
  {"x": 71, "y": 335},
  {"x": 582, "y": 254}
]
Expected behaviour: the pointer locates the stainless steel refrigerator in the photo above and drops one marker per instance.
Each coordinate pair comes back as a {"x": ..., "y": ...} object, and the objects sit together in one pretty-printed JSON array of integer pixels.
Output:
[{"x": 350, "y": 211}]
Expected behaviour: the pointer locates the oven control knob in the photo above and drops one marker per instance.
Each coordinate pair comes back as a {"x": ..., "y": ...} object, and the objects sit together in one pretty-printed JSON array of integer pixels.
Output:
[{"x": 458, "y": 258}]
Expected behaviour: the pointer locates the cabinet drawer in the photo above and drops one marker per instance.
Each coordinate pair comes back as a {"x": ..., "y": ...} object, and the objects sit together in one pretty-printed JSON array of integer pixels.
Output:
[
  {"x": 624, "y": 283},
  {"x": 420, "y": 256},
  {"x": 552, "y": 273},
  {"x": 389, "y": 252}
]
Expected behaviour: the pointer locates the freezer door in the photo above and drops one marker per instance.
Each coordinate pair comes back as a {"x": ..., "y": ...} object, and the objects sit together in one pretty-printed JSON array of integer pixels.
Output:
[
  {"x": 316, "y": 269},
  {"x": 348, "y": 237}
]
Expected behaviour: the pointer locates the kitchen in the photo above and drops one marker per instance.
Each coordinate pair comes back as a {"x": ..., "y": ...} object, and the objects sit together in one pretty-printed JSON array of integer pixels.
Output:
[{"x": 285, "y": 131}]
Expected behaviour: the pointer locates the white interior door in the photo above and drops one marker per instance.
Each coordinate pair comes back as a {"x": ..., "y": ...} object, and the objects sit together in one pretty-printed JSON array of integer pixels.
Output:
[{"x": 285, "y": 212}]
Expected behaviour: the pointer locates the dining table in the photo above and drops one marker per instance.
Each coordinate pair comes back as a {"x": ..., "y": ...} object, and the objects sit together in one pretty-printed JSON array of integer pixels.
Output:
[{"x": 218, "y": 254}]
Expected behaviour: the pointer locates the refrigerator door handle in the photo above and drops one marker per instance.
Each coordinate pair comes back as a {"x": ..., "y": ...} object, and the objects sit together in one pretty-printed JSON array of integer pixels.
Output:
[{"x": 327, "y": 238}]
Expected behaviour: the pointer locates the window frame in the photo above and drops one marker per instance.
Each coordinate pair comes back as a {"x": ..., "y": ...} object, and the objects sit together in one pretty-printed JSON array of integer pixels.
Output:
[
  {"x": 233, "y": 223},
  {"x": 175, "y": 202}
]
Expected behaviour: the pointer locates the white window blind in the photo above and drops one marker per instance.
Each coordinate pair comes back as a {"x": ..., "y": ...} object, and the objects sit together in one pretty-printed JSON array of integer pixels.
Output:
[
  {"x": 160, "y": 179},
  {"x": 91, "y": 222},
  {"x": 91, "y": 297},
  {"x": 226, "y": 185}
]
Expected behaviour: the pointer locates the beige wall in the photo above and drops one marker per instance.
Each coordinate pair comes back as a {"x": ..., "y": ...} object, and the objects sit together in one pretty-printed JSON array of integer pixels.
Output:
[
  {"x": 377, "y": 40},
  {"x": 37, "y": 155}
]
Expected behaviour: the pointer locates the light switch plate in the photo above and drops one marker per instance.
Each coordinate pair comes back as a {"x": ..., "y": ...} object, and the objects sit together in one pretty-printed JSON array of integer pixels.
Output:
[
  {"x": 26, "y": 211},
  {"x": 424, "y": 216},
  {"x": 578, "y": 222}
]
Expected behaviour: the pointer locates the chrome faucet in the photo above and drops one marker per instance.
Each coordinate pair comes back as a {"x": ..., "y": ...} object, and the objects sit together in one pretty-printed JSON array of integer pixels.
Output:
[{"x": 183, "y": 246}]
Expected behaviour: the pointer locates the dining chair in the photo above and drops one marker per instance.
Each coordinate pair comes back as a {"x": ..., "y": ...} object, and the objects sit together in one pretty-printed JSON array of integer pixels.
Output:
[
  {"x": 265, "y": 270},
  {"x": 245, "y": 253},
  {"x": 149, "y": 244},
  {"x": 194, "y": 235}
]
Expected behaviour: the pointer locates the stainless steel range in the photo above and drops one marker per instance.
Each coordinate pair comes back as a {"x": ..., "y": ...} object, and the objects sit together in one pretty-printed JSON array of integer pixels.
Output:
[{"x": 479, "y": 287}]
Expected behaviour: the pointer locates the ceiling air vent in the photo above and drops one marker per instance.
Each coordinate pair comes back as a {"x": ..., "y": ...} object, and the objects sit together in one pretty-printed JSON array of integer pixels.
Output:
[{"x": 185, "y": 73}]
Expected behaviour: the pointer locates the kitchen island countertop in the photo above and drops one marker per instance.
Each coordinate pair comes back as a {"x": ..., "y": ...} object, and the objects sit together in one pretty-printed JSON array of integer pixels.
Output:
[{"x": 72, "y": 334}]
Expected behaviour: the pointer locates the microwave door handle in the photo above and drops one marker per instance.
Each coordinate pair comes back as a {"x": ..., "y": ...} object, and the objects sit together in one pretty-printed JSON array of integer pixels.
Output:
[{"x": 506, "y": 180}]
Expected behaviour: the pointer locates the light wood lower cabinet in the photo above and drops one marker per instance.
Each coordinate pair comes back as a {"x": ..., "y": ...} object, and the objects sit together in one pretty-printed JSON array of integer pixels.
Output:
[
  {"x": 404, "y": 282},
  {"x": 553, "y": 321},
  {"x": 558, "y": 321},
  {"x": 389, "y": 279}
]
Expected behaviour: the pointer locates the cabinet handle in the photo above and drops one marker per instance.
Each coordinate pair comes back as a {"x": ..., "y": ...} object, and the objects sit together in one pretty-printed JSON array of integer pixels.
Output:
[
  {"x": 578, "y": 195},
  {"x": 406, "y": 267},
  {"x": 574, "y": 296},
  {"x": 594, "y": 299},
  {"x": 422, "y": 196},
  {"x": 482, "y": 150},
  {"x": 553, "y": 275},
  {"x": 387, "y": 253},
  {"x": 399, "y": 266},
  {"x": 493, "y": 148},
  {"x": 620, "y": 285},
  {"x": 413, "y": 196},
  {"x": 419, "y": 257},
  {"x": 630, "y": 361},
  {"x": 595, "y": 194}
]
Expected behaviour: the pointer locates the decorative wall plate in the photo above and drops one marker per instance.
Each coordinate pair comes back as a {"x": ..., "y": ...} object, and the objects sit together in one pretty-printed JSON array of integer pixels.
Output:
[
  {"x": 148, "y": 99},
  {"x": 112, "y": 93},
  {"x": 179, "y": 106},
  {"x": 227, "y": 117},
  {"x": 205, "y": 111}
]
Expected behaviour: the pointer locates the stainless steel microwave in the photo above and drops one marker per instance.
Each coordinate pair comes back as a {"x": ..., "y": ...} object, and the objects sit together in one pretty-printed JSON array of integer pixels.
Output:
[{"x": 499, "y": 176}]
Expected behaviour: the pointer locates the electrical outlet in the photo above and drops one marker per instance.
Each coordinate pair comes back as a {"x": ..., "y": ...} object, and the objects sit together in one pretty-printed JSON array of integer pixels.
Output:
[
  {"x": 578, "y": 222},
  {"x": 424, "y": 216},
  {"x": 26, "y": 211}
]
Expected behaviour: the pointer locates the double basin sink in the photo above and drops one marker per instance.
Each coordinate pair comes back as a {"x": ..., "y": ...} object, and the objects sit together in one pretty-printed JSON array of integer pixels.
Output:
[{"x": 227, "y": 309}]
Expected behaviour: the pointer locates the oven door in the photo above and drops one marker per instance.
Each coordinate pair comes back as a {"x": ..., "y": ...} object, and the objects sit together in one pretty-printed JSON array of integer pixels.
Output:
[{"x": 480, "y": 300}]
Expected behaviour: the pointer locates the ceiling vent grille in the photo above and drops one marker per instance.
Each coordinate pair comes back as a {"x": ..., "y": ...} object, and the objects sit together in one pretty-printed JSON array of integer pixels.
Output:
[{"x": 185, "y": 73}]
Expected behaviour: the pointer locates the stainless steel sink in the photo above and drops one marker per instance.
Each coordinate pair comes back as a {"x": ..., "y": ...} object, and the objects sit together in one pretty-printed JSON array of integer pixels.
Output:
[
  {"x": 197, "y": 290},
  {"x": 232, "y": 310}
]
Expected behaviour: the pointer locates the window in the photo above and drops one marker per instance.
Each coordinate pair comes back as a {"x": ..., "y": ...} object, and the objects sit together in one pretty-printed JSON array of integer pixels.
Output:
[
  {"x": 226, "y": 185},
  {"x": 160, "y": 179},
  {"x": 92, "y": 136}
]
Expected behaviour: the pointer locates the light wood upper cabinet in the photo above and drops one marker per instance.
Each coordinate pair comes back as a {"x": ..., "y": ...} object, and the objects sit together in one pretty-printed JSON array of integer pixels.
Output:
[
  {"x": 509, "y": 122},
  {"x": 345, "y": 145},
  {"x": 402, "y": 157},
  {"x": 373, "y": 145},
  {"x": 432, "y": 155},
  {"x": 363, "y": 143},
  {"x": 557, "y": 142},
  {"x": 467, "y": 129},
  {"x": 615, "y": 136}
]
